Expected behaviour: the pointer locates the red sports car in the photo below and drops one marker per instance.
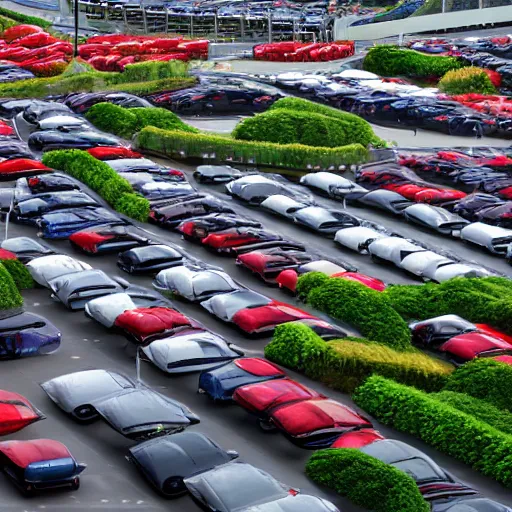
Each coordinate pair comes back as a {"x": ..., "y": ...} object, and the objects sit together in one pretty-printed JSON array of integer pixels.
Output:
[
  {"x": 468, "y": 346},
  {"x": 16, "y": 412},
  {"x": 264, "y": 319},
  {"x": 109, "y": 153},
  {"x": 145, "y": 324},
  {"x": 20, "y": 167},
  {"x": 358, "y": 438},
  {"x": 316, "y": 423}
]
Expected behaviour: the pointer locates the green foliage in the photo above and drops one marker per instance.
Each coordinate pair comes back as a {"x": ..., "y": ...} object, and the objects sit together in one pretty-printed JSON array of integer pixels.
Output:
[
  {"x": 466, "y": 80},
  {"x": 102, "y": 179},
  {"x": 309, "y": 281},
  {"x": 345, "y": 364},
  {"x": 366, "y": 481},
  {"x": 154, "y": 70},
  {"x": 479, "y": 409},
  {"x": 369, "y": 311},
  {"x": 387, "y": 60},
  {"x": 179, "y": 144},
  {"x": 294, "y": 120},
  {"x": 445, "y": 428},
  {"x": 486, "y": 379},
  {"x": 24, "y": 19},
  {"x": 125, "y": 122},
  {"x": 9, "y": 295},
  {"x": 479, "y": 300},
  {"x": 5, "y": 23},
  {"x": 19, "y": 273}
]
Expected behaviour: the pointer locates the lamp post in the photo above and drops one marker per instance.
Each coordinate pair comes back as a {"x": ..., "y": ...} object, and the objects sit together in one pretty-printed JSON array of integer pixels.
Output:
[{"x": 75, "y": 52}]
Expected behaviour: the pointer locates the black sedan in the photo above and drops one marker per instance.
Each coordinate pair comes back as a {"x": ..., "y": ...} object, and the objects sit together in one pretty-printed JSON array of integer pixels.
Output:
[
  {"x": 149, "y": 259},
  {"x": 49, "y": 140}
]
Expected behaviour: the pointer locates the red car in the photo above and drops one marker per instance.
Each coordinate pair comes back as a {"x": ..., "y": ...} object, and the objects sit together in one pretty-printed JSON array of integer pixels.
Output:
[
  {"x": 16, "y": 412},
  {"x": 145, "y": 324},
  {"x": 504, "y": 359},
  {"x": 358, "y": 438},
  {"x": 108, "y": 153},
  {"x": 263, "y": 397},
  {"x": 264, "y": 319},
  {"x": 20, "y": 167},
  {"x": 487, "y": 329},
  {"x": 468, "y": 346},
  {"x": 316, "y": 423}
]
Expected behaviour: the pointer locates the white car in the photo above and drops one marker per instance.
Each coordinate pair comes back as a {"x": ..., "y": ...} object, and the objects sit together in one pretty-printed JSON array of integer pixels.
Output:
[
  {"x": 325, "y": 266},
  {"x": 331, "y": 184},
  {"x": 62, "y": 121},
  {"x": 46, "y": 268},
  {"x": 435, "y": 217},
  {"x": 417, "y": 263},
  {"x": 193, "y": 284},
  {"x": 449, "y": 271},
  {"x": 191, "y": 351},
  {"x": 357, "y": 238},
  {"x": 392, "y": 249},
  {"x": 492, "y": 238},
  {"x": 106, "y": 309},
  {"x": 283, "y": 205}
]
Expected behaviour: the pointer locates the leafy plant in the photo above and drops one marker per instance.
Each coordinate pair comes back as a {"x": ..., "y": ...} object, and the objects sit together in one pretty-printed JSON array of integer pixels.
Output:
[
  {"x": 344, "y": 364},
  {"x": 178, "y": 144},
  {"x": 466, "y": 80},
  {"x": 369, "y": 311},
  {"x": 10, "y": 297},
  {"x": 101, "y": 178},
  {"x": 19, "y": 273},
  {"x": 486, "y": 379},
  {"x": 153, "y": 70},
  {"x": 388, "y": 60},
  {"x": 366, "y": 481},
  {"x": 440, "y": 425},
  {"x": 23, "y": 18}
]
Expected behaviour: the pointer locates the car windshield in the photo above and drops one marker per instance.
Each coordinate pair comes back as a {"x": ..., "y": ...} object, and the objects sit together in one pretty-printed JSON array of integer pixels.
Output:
[{"x": 420, "y": 470}]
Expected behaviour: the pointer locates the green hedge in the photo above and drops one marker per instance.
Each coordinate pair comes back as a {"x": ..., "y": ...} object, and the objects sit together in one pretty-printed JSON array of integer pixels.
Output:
[
  {"x": 486, "y": 379},
  {"x": 19, "y": 273},
  {"x": 366, "y": 481},
  {"x": 5, "y": 23},
  {"x": 345, "y": 364},
  {"x": 295, "y": 120},
  {"x": 466, "y": 80},
  {"x": 10, "y": 297},
  {"x": 24, "y": 19},
  {"x": 102, "y": 179},
  {"x": 450, "y": 431},
  {"x": 389, "y": 60},
  {"x": 153, "y": 71},
  {"x": 296, "y": 156},
  {"x": 479, "y": 300},
  {"x": 480, "y": 409},
  {"x": 368, "y": 310}
]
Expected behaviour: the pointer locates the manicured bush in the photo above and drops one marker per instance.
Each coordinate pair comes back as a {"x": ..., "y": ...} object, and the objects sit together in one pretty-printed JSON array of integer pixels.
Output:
[
  {"x": 466, "y": 80},
  {"x": 101, "y": 178},
  {"x": 153, "y": 86},
  {"x": 445, "y": 428},
  {"x": 23, "y": 18},
  {"x": 19, "y": 273},
  {"x": 296, "y": 156},
  {"x": 487, "y": 379},
  {"x": 387, "y": 60},
  {"x": 368, "y": 310},
  {"x": 357, "y": 129},
  {"x": 154, "y": 70},
  {"x": 125, "y": 122},
  {"x": 9, "y": 295},
  {"x": 344, "y": 364},
  {"x": 309, "y": 281},
  {"x": 6, "y": 23},
  {"x": 479, "y": 409},
  {"x": 366, "y": 481}
]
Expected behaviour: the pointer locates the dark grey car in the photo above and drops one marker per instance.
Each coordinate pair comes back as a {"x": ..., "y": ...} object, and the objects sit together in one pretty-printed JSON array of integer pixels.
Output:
[
  {"x": 386, "y": 200},
  {"x": 26, "y": 248},
  {"x": 324, "y": 221},
  {"x": 435, "y": 217},
  {"x": 149, "y": 259}
]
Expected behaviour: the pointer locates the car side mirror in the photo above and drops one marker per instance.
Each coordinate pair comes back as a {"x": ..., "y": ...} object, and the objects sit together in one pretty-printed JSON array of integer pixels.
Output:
[{"x": 233, "y": 454}]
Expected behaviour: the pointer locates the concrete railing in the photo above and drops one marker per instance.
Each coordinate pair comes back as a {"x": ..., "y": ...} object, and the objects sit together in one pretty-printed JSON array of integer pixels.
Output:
[{"x": 416, "y": 25}]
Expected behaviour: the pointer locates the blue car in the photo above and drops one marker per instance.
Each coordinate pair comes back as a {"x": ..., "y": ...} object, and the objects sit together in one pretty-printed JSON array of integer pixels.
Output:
[
  {"x": 221, "y": 382},
  {"x": 27, "y": 334},
  {"x": 63, "y": 223},
  {"x": 39, "y": 464}
]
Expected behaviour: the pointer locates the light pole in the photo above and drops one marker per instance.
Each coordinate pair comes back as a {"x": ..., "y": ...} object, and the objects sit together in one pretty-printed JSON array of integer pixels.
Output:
[{"x": 75, "y": 52}]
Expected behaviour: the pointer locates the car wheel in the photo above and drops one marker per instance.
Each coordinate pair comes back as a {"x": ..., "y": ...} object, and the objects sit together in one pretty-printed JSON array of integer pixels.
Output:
[
  {"x": 266, "y": 425},
  {"x": 75, "y": 485},
  {"x": 28, "y": 490}
]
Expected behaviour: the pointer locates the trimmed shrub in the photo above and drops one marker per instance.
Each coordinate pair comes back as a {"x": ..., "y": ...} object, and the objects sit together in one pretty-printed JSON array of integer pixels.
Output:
[
  {"x": 388, "y": 60},
  {"x": 101, "y": 178},
  {"x": 479, "y": 409},
  {"x": 345, "y": 364},
  {"x": 154, "y": 70},
  {"x": 466, "y": 80},
  {"x": 5, "y": 23},
  {"x": 176, "y": 143},
  {"x": 366, "y": 481},
  {"x": 309, "y": 281},
  {"x": 357, "y": 128},
  {"x": 19, "y": 273},
  {"x": 9, "y": 295},
  {"x": 125, "y": 122},
  {"x": 487, "y": 379},
  {"x": 24, "y": 19},
  {"x": 369, "y": 311},
  {"x": 445, "y": 428}
]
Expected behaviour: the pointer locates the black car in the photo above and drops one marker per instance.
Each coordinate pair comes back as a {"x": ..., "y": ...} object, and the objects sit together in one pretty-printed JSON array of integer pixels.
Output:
[
  {"x": 166, "y": 461},
  {"x": 386, "y": 200},
  {"x": 173, "y": 215},
  {"x": 11, "y": 149},
  {"x": 194, "y": 230},
  {"x": 51, "y": 183},
  {"x": 472, "y": 204},
  {"x": 82, "y": 102},
  {"x": 149, "y": 259},
  {"x": 36, "y": 111},
  {"x": 9, "y": 108},
  {"x": 216, "y": 174},
  {"x": 434, "y": 332},
  {"x": 26, "y": 248},
  {"x": 49, "y": 140},
  {"x": 324, "y": 221}
]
